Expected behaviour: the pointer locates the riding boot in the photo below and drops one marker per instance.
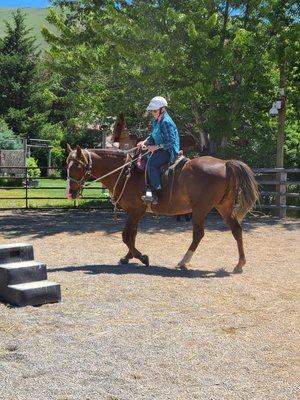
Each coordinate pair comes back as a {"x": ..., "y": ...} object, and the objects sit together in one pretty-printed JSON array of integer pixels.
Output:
[
  {"x": 151, "y": 196},
  {"x": 148, "y": 197}
]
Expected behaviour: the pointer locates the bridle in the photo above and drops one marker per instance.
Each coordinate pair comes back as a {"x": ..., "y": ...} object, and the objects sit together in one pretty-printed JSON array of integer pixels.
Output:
[{"x": 87, "y": 173}]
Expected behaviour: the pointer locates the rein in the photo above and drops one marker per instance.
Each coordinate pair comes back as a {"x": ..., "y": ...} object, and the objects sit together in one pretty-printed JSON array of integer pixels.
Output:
[
  {"x": 88, "y": 172},
  {"x": 117, "y": 169}
]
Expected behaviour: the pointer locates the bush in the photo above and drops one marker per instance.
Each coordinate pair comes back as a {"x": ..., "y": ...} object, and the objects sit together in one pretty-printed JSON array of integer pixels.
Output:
[
  {"x": 54, "y": 173},
  {"x": 10, "y": 182},
  {"x": 33, "y": 169}
]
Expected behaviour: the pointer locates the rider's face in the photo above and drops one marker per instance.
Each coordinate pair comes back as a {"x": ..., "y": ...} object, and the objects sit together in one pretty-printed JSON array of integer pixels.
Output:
[{"x": 155, "y": 113}]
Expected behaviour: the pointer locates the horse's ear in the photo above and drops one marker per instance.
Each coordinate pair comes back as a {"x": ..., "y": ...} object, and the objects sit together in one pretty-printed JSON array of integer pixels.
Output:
[
  {"x": 69, "y": 148},
  {"x": 78, "y": 151}
]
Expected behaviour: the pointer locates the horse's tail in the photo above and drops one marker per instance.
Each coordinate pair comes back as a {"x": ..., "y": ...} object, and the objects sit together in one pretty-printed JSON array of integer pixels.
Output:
[{"x": 241, "y": 179}]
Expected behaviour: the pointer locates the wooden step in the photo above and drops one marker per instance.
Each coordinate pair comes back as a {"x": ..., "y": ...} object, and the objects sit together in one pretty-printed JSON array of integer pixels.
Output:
[
  {"x": 22, "y": 272},
  {"x": 33, "y": 293},
  {"x": 15, "y": 252}
]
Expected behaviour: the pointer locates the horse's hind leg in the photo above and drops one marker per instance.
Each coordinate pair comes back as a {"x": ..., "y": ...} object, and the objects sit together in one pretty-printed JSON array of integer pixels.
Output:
[
  {"x": 198, "y": 217},
  {"x": 236, "y": 230}
]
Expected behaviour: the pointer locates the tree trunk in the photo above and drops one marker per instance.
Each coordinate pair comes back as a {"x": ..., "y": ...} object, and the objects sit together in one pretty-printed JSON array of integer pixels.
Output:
[
  {"x": 281, "y": 112},
  {"x": 225, "y": 21},
  {"x": 247, "y": 13},
  {"x": 204, "y": 140}
]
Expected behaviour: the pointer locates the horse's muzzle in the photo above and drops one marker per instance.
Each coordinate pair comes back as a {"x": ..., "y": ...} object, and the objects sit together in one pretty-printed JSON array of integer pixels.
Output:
[{"x": 72, "y": 193}]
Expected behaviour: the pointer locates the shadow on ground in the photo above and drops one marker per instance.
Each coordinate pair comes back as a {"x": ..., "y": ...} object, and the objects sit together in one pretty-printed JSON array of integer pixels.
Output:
[
  {"x": 142, "y": 270},
  {"x": 38, "y": 224}
]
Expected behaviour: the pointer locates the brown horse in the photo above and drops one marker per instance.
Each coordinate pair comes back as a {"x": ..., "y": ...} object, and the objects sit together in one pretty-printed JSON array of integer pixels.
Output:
[{"x": 202, "y": 184}]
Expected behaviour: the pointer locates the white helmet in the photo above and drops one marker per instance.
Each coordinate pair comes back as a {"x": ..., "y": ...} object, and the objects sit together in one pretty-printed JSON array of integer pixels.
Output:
[{"x": 156, "y": 103}]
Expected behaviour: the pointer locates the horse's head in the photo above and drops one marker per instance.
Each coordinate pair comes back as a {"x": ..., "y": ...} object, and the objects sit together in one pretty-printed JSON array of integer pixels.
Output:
[
  {"x": 79, "y": 166},
  {"x": 120, "y": 128}
]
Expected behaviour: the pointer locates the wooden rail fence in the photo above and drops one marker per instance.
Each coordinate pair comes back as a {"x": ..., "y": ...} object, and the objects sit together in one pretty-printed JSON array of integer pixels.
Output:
[{"x": 283, "y": 183}]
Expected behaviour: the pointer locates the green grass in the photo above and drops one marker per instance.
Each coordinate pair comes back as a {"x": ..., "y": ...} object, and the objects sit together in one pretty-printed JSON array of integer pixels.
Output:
[
  {"x": 52, "y": 188},
  {"x": 35, "y": 19}
]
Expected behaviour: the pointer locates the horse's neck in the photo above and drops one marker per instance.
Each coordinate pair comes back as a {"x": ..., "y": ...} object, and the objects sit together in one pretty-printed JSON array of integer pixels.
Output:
[{"x": 105, "y": 162}]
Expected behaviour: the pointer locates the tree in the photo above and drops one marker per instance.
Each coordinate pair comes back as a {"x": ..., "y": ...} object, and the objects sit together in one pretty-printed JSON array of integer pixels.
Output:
[
  {"x": 216, "y": 62},
  {"x": 8, "y": 140},
  {"x": 18, "y": 59},
  {"x": 77, "y": 66}
]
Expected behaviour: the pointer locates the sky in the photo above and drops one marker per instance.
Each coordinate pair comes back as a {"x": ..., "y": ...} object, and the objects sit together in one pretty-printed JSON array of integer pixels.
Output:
[{"x": 24, "y": 3}]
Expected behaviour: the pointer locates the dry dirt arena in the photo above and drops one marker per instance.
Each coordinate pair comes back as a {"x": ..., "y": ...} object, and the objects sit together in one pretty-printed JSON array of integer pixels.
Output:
[{"x": 133, "y": 333}]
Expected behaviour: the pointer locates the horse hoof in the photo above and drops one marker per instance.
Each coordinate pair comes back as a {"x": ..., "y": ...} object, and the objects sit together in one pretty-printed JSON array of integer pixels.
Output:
[
  {"x": 237, "y": 270},
  {"x": 145, "y": 260},
  {"x": 123, "y": 261},
  {"x": 181, "y": 267}
]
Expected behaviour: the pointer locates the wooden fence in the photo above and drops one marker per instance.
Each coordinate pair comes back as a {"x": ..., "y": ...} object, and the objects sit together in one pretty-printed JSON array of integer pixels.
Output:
[
  {"x": 277, "y": 186},
  {"x": 284, "y": 185}
]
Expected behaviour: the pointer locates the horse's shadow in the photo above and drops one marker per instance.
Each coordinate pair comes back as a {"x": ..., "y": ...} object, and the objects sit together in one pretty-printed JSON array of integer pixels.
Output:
[{"x": 133, "y": 268}]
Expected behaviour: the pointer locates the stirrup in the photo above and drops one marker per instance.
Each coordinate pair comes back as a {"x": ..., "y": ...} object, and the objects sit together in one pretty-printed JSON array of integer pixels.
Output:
[{"x": 149, "y": 198}]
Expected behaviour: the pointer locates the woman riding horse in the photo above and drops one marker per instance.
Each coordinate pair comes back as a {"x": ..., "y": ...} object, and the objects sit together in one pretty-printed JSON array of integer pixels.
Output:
[
  {"x": 202, "y": 184},
  {"x": 163, "y": 143}
]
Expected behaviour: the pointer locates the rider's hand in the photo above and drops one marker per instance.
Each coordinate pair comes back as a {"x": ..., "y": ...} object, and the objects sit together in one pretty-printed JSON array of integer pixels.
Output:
[
  {"x": 152, "y": 148},
  {"x": 141, "y": 145}
]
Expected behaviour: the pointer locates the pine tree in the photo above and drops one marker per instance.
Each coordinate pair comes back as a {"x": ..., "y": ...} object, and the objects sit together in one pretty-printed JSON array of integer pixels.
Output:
[{"x": 18, "y": 71}]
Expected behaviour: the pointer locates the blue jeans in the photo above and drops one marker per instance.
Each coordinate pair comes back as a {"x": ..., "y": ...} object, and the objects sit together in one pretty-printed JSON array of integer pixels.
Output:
[{"x": 156, "y": 161}]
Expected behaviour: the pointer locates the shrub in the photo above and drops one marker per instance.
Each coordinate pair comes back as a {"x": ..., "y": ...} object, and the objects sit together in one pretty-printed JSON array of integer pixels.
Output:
[
  {"x": 54, "y": 173},
  {"x": 33, "y": 169},
  {"x": 11, "y": 182}
]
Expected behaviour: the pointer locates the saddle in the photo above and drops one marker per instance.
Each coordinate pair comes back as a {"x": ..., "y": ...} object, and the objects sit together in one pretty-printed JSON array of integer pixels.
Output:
[{"x": 167, "y": 169}]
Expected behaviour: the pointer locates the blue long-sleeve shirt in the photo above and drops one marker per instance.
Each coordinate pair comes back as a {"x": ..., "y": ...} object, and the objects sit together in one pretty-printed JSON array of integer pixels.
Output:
[{"x": 165, "y": 132}]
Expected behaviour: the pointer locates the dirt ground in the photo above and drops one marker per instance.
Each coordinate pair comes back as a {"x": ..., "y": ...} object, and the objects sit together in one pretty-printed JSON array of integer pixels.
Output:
[{"x": 133, "y": 333}]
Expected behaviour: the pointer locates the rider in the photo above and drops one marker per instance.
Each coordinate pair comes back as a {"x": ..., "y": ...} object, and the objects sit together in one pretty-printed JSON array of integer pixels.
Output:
[{"x": 163, "y": 143}]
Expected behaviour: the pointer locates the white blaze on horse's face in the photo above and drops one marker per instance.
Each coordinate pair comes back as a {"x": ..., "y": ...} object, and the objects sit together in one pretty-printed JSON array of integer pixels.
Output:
[{"x": 75, "y": 172}]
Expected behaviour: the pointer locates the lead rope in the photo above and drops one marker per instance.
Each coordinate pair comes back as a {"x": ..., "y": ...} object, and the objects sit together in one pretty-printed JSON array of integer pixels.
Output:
[
  {"x": 117, "y": 169},
  {"x": 115, "y": 203},
  {"x": 119, "y": 198}
]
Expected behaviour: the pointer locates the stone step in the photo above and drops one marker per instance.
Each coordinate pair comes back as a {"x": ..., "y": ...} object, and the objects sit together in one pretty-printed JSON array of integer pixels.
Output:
[
  {"x": 22, "y": 272},
  {"x": 15, "y": 252},
  {"x": 33, "y": 293}
]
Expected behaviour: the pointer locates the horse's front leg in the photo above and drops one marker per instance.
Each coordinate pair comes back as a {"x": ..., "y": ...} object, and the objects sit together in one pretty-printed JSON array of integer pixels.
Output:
[
  {"x": 129, "y": 235},
  {"x": 129, "y": 256}
]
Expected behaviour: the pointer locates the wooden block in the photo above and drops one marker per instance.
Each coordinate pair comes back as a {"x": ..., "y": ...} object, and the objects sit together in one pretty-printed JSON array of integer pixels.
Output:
[
  {"x": 33, "y": 293},
  {"x": 15, "y": 252},
  {"x": 22, "y": 272}
]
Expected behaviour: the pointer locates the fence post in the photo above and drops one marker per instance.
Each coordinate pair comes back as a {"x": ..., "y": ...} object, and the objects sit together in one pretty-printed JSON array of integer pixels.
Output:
[
  {"x": 281, "y": 194},
  {"x": 48, "y": 162},
  {"x": 26, "y": 187},
  {"x": 103, "y": 140},
  {"x": 25, "y": 151}
]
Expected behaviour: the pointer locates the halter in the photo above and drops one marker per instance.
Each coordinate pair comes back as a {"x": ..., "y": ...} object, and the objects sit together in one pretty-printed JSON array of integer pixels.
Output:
[{"x": 87, "y": 172}]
